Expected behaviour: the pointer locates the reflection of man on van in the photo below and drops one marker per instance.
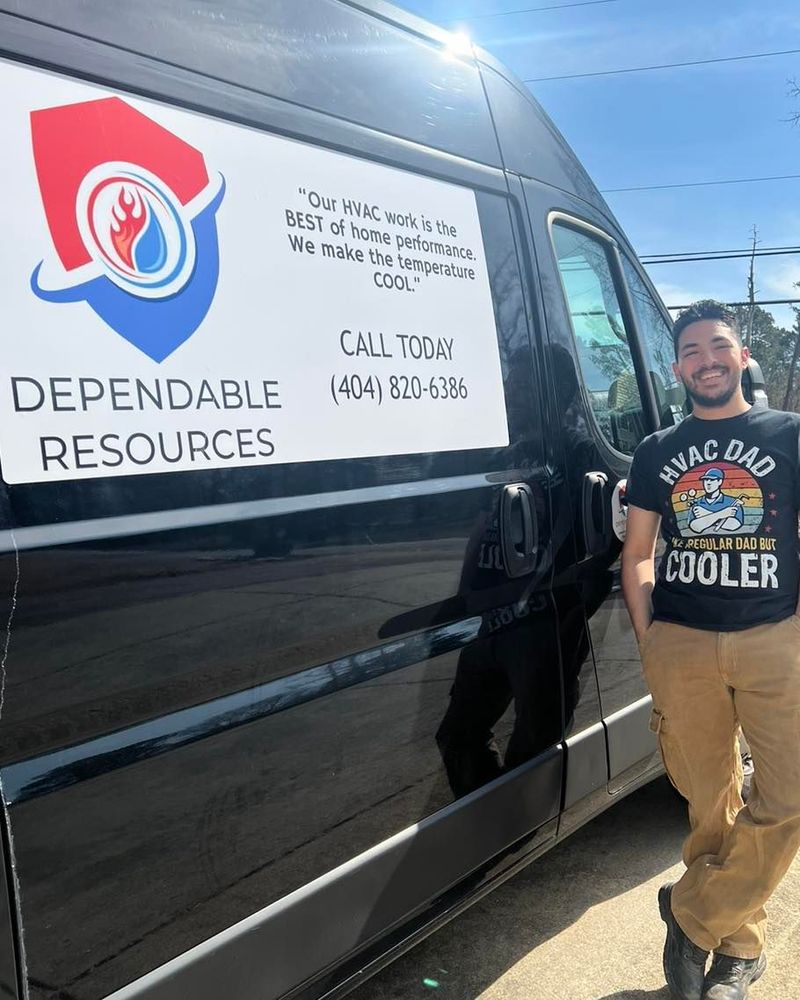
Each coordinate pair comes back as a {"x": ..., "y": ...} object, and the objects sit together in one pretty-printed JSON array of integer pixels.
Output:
[
  {"x": 520, "y": 638},
  {"x": 716, "y": 511}
]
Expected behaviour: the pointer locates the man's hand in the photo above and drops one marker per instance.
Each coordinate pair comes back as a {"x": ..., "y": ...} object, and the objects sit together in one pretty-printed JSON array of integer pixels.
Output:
[{"x": 638, "y": 566}]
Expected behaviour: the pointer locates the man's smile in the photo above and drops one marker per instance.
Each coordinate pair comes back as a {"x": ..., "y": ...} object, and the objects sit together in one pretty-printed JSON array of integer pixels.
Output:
[{"x": 712, "y": 376}]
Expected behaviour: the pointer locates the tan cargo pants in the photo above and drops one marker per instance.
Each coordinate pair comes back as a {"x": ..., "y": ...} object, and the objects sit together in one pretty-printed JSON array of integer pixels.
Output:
[{"x": 704, "y": 685}]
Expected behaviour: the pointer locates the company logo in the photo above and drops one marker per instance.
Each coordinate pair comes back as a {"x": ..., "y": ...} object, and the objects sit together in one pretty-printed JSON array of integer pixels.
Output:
[
  {"x": 131, "y": 212},
  {"x": 137, "y": 229}
]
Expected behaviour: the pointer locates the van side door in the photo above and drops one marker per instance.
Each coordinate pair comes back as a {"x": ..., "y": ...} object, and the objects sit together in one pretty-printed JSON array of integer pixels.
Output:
[{"x": 611, "y": 408}]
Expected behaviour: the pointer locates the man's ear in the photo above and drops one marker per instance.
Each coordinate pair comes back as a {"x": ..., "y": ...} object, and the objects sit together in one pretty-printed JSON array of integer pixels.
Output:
[
  {"x": 745, "y": 356},
  {"x": 676, "y": 371}
]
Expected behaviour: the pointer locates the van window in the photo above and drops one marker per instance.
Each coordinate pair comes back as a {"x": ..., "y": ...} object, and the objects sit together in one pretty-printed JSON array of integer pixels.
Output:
[
  {"x": 602, "y": 340},
  {"x": 656, "y": 336}
]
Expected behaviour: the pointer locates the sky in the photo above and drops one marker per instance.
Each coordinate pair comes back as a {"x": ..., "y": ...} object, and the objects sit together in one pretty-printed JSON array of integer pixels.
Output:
[{"x": 721, "y": 121}]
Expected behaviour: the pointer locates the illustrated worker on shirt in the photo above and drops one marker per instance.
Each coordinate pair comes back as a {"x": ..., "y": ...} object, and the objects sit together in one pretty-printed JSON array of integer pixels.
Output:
[{"x": 716, "y": 511}]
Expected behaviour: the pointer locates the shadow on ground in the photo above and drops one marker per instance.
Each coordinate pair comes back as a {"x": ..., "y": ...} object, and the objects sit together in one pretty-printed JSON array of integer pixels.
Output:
[
  {"x": 639, "y": 995},
  {"x": 626, "y": 846}
]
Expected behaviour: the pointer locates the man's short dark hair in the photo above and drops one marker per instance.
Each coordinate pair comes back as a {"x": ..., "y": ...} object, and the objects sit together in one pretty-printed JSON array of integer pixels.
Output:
[{"x": 705, "y": 309}]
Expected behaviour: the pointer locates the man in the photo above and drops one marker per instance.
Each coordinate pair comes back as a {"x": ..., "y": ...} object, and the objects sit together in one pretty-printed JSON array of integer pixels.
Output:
[
  {"x": 720, "y": 644},
  {"x": 715, "y": 511}
]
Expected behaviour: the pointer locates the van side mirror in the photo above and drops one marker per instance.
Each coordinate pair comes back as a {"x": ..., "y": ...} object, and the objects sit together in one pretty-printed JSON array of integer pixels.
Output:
[{"x": 753, "y": 385}]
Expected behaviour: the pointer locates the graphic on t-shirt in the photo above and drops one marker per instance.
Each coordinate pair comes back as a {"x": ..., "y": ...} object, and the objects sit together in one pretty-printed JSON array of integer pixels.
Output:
[
  {"x": 728, "y": 509},
  {"x": 717, "y": 499}
]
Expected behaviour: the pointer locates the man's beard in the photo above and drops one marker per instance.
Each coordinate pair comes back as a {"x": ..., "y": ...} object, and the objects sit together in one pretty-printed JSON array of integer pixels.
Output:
[{"x": 713, "y": 402}]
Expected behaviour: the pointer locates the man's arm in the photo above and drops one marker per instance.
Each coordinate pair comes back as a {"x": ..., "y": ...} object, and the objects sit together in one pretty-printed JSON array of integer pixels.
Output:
[
  {"x": 714, "y": 519},
  {"x": 638, "y": 566},
  {"x": 719, "y": 518},
  {"x": 702, "y": 520}
]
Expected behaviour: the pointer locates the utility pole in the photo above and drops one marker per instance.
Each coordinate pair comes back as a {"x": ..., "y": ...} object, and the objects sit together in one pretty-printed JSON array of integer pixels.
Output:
[{"x": 751, "y": 290}]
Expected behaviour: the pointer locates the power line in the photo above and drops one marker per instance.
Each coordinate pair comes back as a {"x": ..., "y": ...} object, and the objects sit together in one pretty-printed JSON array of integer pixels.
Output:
[
  {"x": 692, "y": 258},
  {"x": 676, "y": 65},
  {"x": 528, "y": 10},
  {"x": 737, "y": 180},
  {"x": 692, "y": 253},
  {"x": 763, "y": 302}
]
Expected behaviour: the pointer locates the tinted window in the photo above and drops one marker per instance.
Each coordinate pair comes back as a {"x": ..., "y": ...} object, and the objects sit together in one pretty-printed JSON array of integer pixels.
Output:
[
  {"x": 318, "y": 53},
  {"x": 606, "y": 363},
  {"x": 656, "y": 336}
]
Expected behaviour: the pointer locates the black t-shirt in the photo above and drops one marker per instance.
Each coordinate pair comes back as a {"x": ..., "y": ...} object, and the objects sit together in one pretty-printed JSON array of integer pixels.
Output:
[{"x": 728, "y": 492}]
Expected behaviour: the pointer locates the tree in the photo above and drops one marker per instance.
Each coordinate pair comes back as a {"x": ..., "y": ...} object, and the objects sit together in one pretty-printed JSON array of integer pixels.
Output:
[
  {"x": 789, "y": 401},
  {"x": 773, "y": 347},
  {"x": 794, "y": 91}
]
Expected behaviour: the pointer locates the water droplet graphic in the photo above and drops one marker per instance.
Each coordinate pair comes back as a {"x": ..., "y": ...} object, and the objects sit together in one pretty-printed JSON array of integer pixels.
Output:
[{"x": 150, "y": 251}]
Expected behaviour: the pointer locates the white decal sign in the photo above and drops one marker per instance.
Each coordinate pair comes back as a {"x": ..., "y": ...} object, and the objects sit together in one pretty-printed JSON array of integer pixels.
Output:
[{"x": 180, "y": 293}]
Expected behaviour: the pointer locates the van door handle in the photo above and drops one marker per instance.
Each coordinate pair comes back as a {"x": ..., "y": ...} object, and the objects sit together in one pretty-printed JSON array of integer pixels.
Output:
[
  {"x": 595, "y": 518},
  {"x": 519, "y": 530}
]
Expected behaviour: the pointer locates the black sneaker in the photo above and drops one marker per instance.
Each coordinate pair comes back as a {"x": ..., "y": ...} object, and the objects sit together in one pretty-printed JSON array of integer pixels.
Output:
[
  {"x": 684, "y": 962},
  {"x": 728, "y": 978}
]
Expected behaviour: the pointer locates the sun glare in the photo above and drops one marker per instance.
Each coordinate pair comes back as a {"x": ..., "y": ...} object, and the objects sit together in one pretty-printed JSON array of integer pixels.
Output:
[{"x": 458, "y": 44}]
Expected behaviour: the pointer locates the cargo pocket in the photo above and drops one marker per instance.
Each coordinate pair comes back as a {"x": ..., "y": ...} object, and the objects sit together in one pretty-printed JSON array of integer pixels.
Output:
[{"x": 671, "y": 754}]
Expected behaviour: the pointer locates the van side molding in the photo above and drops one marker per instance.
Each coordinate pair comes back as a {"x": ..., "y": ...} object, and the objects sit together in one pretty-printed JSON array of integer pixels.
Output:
[{"x": 263, "y": 956}]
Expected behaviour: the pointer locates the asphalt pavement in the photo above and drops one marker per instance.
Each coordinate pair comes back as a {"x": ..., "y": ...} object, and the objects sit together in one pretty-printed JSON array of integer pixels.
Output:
[{"x": 581, "y": 923}]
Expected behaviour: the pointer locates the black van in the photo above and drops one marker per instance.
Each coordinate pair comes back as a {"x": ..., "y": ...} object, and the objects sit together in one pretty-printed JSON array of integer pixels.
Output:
[{"x": 323, "y": 362}]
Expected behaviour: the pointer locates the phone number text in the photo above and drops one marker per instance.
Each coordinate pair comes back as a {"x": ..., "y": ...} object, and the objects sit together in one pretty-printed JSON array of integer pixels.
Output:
[{"x": 376, "y": 389}]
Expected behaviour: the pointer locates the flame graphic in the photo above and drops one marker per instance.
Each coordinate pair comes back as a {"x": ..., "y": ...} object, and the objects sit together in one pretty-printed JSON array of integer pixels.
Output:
[{"x": 128, "y": 218}]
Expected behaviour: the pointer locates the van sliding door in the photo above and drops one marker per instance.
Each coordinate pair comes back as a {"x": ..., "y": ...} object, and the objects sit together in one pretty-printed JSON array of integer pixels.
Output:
[{"x": 611, "y": 407}]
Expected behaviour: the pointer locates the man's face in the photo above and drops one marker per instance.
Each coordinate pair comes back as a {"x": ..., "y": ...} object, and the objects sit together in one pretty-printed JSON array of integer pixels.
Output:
[
  {"x": 710, "y": 362},
  {"x": 711, "y": 484}
]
